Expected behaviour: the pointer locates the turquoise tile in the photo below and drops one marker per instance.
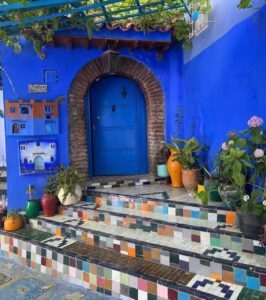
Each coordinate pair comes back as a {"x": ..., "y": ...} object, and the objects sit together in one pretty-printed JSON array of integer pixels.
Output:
[
  {"x": 165, "y": 210},
  {"x": 183, "y": 296},
  {"x": 253, "y": 283},
  {"x": 195, "y": 214},
  {"x": 85, "y": 266},
  {"x": 240, "y": 275}
]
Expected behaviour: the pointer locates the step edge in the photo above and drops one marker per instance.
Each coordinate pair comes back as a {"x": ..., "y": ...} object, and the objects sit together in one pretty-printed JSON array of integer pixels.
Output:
[
  {"x": 167, "y": 283},
  {"x": 167, "y": 248}
]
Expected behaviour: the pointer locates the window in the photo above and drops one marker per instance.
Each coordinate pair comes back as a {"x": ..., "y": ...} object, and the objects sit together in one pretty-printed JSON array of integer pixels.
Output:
[
  {"x": 12, "y": 110},
  {"x": 22, "y": 147},
  {"x": 38, "y": 144},
  {"x": 52, "y": 146},
  {"x": 24, "y": 110},
  {"x": 48, "y": 109},
  {"x": 22, "y": 126}
]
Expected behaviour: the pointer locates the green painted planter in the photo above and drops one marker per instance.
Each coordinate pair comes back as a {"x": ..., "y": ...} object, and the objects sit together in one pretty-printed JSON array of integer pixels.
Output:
[
  {"x": 32, "y": 208},
  {"x": 211, "y": 186}
]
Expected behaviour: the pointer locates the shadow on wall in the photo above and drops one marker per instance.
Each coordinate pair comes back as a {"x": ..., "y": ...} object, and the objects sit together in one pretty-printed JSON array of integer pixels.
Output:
[{"x": 2, "y": 133}]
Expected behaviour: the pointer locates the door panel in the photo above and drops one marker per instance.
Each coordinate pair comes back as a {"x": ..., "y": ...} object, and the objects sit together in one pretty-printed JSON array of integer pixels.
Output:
[{"x": 118, "y": 114}]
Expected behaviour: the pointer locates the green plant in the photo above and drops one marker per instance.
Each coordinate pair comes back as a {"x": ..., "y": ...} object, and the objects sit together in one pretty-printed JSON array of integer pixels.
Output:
[
  {"x": 234, "y": 165},
  {"x": 242, "y": 162},
  {"x": 51, "y": 185},
  {"x": 42, "y": 32},
  {"x": 245, "y": 4},
  {"x": 185, "y": 152},
  {"x": 30, "y": 191},
  {"x": 12, "y": 214},
  {"x": 204, "y": 197},
  {"x": 67, "y": 179}
]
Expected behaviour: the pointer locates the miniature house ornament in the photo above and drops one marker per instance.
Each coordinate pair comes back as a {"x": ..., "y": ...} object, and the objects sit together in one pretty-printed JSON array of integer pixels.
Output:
[{"x": 28, "y": 118}]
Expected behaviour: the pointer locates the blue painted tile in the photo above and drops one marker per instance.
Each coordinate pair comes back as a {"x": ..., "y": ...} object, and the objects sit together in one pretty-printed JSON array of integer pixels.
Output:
[
  {"x": 240, "y": 275},
  {"x": 85, "y": 266},
  {"x": 253, "y": 283},
  {"x": 195, "y": 214},
  {"x": 165, "y": 210},
  {"x": 183, "y": 296}
]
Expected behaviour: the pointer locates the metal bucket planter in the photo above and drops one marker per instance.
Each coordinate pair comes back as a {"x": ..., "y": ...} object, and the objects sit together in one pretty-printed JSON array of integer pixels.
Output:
[
  {"x": 229, "y": 195},
  {"x": 250, "y": 224},
  {"x": 211, "y": 186}
]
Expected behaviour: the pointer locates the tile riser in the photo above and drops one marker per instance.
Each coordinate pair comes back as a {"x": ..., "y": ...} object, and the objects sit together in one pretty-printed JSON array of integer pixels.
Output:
[
  {"x": 195, "y": 234},
  {"x": 191, "y": 262},
  {"x": 90, "y": 275},
  {"x": 170, "y": 208}
]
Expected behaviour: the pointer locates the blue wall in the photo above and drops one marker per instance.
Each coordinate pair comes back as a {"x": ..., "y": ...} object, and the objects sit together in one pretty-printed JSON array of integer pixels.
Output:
[
  {"x": 27, "y": 68},
  {"x": 225, "y": 84}
]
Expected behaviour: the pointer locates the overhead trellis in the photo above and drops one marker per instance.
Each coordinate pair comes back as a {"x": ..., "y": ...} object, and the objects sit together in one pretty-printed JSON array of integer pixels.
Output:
[{"x": 38, "y": 20}]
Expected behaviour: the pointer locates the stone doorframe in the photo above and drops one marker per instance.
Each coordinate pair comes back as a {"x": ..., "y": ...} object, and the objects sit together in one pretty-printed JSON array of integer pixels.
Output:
[{"x": 110, "y": 63}]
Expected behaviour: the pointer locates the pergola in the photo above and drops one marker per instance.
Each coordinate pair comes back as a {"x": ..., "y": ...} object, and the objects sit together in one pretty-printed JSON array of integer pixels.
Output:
[{"x": 18, "y": 16}]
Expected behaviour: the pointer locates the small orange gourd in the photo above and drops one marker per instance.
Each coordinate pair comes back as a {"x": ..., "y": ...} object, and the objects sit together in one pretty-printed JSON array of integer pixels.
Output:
[{"x": 12, "y": 222}]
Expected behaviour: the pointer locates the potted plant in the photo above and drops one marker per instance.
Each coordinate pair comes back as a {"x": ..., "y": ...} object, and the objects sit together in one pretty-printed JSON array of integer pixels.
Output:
[
  {"x": 174, "y": 166},
  {"x": 33, "y": 205},
  {"x": 252, "y": 211},
  {"x": 69, "y": 186},
  {"x": 12, "y": 221},
  {"x": 49, "y": 199},
  {"x": 185, "y": 154},
  {"x": 162, "y": 170}
]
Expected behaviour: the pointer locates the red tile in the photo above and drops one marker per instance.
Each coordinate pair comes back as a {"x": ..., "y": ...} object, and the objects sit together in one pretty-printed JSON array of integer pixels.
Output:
[{"x": 172, "y": 294}]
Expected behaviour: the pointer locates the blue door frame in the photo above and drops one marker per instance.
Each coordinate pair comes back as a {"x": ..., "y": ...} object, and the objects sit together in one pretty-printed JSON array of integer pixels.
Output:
[{"x": 116, "y": 128}]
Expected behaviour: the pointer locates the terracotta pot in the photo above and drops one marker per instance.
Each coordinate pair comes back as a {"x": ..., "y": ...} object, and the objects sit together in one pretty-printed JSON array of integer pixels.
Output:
[
  {"x": 13, "y": 223},
  {"x": 190, "y": 179},
  {"x": 70, "y": 199},
  {"x": 175, "y": 171},
  {"x": 49, "y": 204}
]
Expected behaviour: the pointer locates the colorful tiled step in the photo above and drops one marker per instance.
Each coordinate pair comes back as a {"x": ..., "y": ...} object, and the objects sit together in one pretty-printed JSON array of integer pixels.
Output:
[
  {"x": 200, "y": 231},
  {"x": 219, "y": 263},
  {"x": 113, "y": 273},
  {"x": 182, "y": 204},
  {"x": 103, "y": 183}
]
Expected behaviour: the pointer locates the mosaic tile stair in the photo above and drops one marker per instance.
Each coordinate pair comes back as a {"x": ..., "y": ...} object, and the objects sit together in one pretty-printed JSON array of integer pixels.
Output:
[
  {"x": 218, "y": 263},
  {"x": 184, "y": 205},
  {"x": 205, "y": 232},
  {"x": 104, "y": 183},
  {"x": 113, "y": 273}
]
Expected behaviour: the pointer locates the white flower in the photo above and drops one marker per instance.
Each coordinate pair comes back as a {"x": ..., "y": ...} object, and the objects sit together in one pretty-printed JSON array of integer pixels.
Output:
[
  {"x": 246, "y": 198},
  {"x": 231, "y": 142},
  {"x": 264, "y": 202},
  {"x": 224, "y": 146},
  {"x": 258, "y": 153}
]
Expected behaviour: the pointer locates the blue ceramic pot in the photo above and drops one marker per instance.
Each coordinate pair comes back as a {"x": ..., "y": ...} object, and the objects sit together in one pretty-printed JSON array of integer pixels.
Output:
[{"x": 162, "y": 171}]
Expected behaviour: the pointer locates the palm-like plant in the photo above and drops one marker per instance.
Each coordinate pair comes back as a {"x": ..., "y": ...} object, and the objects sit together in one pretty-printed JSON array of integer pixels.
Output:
[{"x": 185, "y": 151}]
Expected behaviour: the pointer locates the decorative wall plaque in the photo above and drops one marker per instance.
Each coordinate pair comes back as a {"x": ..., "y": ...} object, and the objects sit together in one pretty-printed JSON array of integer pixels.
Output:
[{"x": 37, "y": 88}]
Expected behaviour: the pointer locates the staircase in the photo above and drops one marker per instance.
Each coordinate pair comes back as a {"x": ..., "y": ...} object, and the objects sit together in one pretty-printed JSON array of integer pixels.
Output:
[{"x": 142, "y": 247}]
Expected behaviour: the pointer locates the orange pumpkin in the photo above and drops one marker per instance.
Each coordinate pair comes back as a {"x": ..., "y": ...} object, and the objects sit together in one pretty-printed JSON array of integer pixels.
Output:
[{"x": 12, "y": 223}]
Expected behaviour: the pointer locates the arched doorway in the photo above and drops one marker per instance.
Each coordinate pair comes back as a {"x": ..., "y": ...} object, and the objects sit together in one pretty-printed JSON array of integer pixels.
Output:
[
  {"x": 111, "y": 63},
  {"x": 117, "y": 128}
]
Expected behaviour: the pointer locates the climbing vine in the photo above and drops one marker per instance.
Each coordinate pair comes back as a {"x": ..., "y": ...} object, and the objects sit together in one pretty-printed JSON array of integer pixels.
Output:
[{"x": 42, "y": 32}]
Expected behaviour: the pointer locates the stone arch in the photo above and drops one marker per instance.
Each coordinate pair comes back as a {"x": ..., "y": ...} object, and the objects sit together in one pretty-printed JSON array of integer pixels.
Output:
[{"x": 110, "y": 63}]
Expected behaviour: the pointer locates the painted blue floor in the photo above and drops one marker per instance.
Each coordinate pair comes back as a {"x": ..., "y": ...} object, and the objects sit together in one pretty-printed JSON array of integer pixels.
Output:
[{"x": 24, "y": 284}]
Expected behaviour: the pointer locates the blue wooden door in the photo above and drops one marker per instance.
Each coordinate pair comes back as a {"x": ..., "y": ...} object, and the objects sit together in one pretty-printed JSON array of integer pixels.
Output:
[{"x": 118, "y": 127}]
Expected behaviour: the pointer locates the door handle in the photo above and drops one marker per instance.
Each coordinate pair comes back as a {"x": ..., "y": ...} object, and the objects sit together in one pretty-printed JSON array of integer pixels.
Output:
[{"x": 93, "y": 127}]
